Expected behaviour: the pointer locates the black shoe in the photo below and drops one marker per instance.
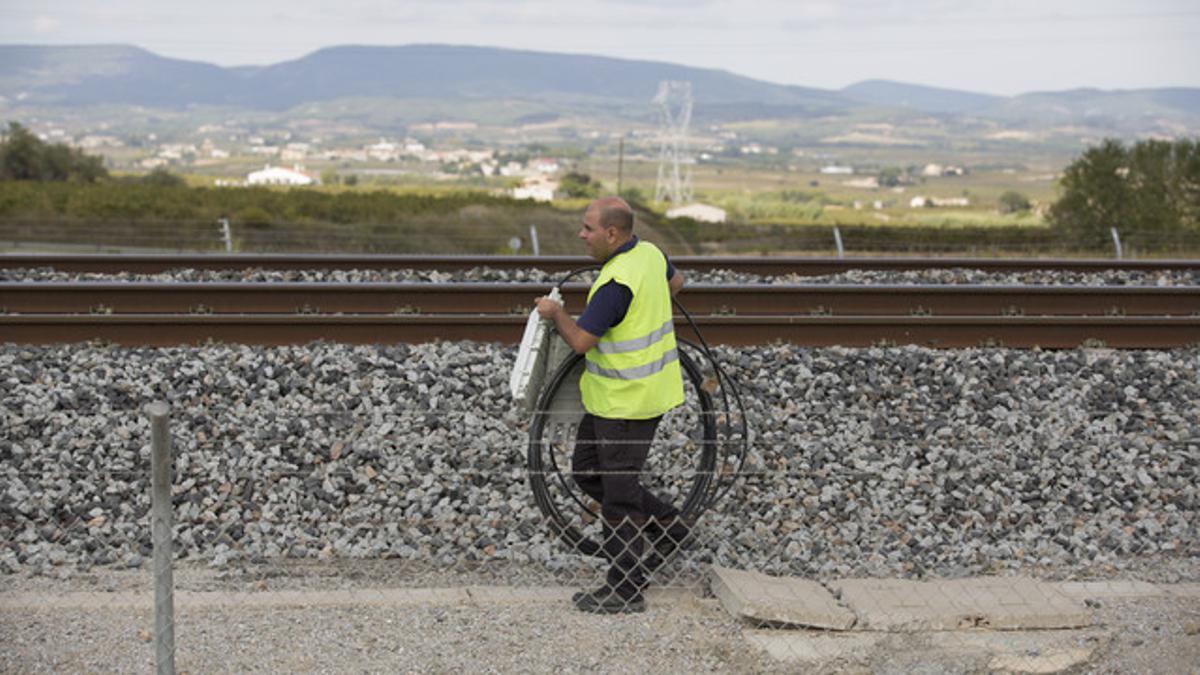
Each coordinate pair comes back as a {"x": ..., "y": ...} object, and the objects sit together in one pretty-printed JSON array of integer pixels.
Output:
[
  {"x": 666, "y": 543},
  {"x": 605, "y": 601},
  {"x": 603, "y": 592}
]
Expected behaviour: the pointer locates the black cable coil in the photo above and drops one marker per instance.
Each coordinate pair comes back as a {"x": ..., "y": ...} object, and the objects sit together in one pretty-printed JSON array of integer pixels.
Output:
[{"x": 723, "y": 449}]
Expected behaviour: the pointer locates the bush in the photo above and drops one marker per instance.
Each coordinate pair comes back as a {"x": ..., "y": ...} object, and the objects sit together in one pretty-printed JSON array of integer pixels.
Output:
[
  {"x": 162, "y": 178},
  {"x": 579, "y": 186},
  {"x": 1013, "y": 202},
  {"x": 253, "y": 217}
]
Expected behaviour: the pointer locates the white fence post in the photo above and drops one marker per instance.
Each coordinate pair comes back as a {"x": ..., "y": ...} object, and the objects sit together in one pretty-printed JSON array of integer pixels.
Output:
[
  {"x": 837, "y": 239},
  {"x": 534, "y": 240},
  {"x": 226, "y": 234},
  {"x": 1116, "y": 241},
  {"x": 162, "y": 523}
]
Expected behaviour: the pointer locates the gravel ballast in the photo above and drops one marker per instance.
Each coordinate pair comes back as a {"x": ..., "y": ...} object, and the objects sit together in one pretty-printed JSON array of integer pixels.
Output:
[
  {"x": 537, "y": 276},
  {"x": 878, "y": 462}
]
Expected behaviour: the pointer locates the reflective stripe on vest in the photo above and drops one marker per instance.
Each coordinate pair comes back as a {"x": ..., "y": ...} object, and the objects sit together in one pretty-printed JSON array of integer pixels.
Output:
[
  {"x": 637, "y": 372},
  {"x": 637, "y": 343}
]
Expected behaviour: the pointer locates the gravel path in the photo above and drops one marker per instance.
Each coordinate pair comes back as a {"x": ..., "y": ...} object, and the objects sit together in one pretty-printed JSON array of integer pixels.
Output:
[
  {"x": 491, "y": 639},
  {"x": 253, "y": 631}
]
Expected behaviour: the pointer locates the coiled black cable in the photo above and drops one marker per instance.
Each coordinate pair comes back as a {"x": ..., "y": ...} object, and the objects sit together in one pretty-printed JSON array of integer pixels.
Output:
[{"x": 725, "y": 436}]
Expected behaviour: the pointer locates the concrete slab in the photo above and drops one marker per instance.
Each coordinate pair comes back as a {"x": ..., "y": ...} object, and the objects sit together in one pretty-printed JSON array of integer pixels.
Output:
[
  {"x": 990, "y": 602},
  {"x": 512, "y": 595},
  {"x": 1052, "y": 662},
  {"x": 802, "y": 647},
  {"x": 258, "y": 599},
  {"x": 523, "y": 595},
  {"x": 1005, "y": 651},
  {"x": 792, "y": 601},
  {"x": 1099, "y": 590},
  {"x": 1190, "y": 590}
]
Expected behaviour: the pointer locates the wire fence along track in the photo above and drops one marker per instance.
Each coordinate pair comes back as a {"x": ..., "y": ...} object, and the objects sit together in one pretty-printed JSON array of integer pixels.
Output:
[
  {"x": 160, "y": 262},
  {"x": 481, "y": 238},
  {"x": 342, "y": 528},
  {"x": 330, "y": 501}
]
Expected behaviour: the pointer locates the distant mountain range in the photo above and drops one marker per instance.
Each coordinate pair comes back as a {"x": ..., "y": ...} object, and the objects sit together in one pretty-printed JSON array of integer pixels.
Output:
[{"x": 102, "y": 74}]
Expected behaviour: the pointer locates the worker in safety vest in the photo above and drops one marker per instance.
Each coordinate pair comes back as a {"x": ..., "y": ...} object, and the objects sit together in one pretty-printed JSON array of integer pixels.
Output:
[{"x": 632, "y": 377}]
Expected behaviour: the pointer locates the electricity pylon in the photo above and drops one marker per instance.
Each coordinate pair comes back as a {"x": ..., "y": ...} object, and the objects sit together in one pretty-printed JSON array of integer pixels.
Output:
[{"x": 674, "y": 101}]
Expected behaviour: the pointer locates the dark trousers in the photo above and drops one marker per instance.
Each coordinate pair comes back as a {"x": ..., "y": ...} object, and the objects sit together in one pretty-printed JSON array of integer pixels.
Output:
[{"x": 607, "y": 465}]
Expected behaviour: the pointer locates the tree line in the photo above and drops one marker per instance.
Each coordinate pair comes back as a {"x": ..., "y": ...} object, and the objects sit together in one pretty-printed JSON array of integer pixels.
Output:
[
  {"x": 24, "y": 156},
  {"x": 250, "y": 206},
  {"x": 1150, "y": 187}
]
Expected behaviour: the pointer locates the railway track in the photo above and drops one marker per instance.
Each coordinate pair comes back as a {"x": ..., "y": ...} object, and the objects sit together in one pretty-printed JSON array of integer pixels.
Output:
[
  {"x": 1048, "y": 332},
  {"x": 764, "y": 265},
  {"x": 498, "y": 298},
  {"x": 948, "y": 316}
]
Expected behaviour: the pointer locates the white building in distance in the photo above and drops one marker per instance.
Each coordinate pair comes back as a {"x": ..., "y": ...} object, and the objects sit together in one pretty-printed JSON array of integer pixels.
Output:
[
  {"x": 931, "y": 170},
  {"x": 537, "y": 188},
  {"x": 277, "y": 175},
  {"x": 704, "y": 213},
  {"x": 921, "y": 202}
]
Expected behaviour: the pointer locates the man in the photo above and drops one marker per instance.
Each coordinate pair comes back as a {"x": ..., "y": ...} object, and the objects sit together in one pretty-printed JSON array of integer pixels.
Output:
[{"x": 632, "y": 377}]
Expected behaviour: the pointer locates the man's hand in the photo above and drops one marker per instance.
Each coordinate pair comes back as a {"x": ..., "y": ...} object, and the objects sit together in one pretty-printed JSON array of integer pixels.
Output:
[
  {"x": 547, "y": 307},
  {"x": 676, "y": 283},
  {"x": 579, "y": 339}
]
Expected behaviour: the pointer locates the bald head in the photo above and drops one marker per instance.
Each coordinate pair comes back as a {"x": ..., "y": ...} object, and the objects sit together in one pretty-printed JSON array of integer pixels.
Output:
[{"x": 613, "y": 212}]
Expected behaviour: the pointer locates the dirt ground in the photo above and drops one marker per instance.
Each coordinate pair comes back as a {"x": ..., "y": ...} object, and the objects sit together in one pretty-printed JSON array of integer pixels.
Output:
[{"x": 312, "y": 619}]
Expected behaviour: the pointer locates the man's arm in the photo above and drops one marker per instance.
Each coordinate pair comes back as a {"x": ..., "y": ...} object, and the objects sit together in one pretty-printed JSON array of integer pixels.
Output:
[
  {"x": 676, "y": 282},
  {"x": 579, "y": 339}
]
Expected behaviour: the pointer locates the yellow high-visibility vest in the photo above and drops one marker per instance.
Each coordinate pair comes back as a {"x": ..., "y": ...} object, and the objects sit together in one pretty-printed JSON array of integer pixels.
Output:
[{"x": 633, "y": 372}]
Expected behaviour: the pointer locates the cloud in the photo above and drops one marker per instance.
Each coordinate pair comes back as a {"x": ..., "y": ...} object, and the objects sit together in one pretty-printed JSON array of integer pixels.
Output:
[{"x": 45, "y": 25}]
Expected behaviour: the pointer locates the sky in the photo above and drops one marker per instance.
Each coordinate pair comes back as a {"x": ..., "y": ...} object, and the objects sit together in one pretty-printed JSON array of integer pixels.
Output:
[{"x": 991, "y": 47}]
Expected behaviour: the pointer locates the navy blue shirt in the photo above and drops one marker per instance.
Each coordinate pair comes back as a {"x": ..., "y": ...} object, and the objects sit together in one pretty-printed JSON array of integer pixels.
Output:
[{"x": 610, "y": 302}]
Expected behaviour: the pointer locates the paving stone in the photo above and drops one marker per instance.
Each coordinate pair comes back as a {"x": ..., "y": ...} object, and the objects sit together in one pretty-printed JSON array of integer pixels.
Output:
[
  {"x": 784, "y": 600},
  {"x": 812, "y": 648},
  {"x": 1011, "y": 651},
  {"x": 513, "y": 595},
  {"x": 501, "y": 595},
  {"x": 1053, "y": 662},
  {"x": 1183, "y": 590},
  {"x": 987, "y": 602},
  {"x": 209, "y": 599},
  {"x": 1111, "y": 589}
]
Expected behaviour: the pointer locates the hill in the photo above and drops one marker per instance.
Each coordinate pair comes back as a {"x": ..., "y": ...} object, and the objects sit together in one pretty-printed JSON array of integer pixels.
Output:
[
  {"x": 133, "y": 76},
  {"x": 384, "y": 87},
  {"x": 919, "y": 97}
]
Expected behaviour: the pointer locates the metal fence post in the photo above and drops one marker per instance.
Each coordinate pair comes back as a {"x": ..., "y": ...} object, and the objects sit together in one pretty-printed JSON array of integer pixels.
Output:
[
  {"x": 1116, "y": 241},
  {"x": 226, "y": 234},
  {"x": 837, "y": 239},
  {"x": 534, "y": 240},
  {"x": 162, "y": 523}
]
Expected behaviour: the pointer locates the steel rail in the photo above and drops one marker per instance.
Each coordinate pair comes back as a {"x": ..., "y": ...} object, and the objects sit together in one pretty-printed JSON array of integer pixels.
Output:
[
  {"x": 1055, "y": 332},
  {"x": 765, "y": 265},
  {"x": 498, "y": 298}
]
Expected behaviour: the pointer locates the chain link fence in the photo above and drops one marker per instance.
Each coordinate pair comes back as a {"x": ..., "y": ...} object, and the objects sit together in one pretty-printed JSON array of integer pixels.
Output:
[
  {"x": 557, "y": 238},
  {"x": 376, "y": 508},
  {"x": 347, "y": 526}
]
